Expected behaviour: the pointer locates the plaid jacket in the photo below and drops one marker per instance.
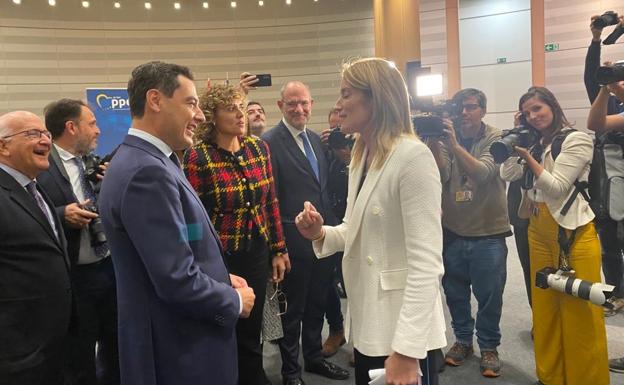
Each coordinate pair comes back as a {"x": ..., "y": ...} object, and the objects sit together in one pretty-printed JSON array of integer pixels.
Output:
[{"x": 238, "y": 192}]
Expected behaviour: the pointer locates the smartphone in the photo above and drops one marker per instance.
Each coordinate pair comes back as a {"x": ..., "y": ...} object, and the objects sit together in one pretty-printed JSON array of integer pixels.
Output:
[{"x": 264, "y": 80}]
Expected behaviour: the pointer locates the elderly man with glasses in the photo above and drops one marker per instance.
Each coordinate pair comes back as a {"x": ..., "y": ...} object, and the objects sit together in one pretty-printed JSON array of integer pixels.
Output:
[
  {"x": 300, "y": 169},
  {"x": 35, "y": 290}
]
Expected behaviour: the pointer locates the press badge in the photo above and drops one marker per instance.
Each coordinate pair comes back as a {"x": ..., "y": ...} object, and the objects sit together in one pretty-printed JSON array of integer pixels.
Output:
[{"x": 463, "y": 196}]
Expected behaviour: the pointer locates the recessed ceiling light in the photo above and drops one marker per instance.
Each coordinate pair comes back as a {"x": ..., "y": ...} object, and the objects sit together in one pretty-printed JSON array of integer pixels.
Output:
[
  {"x": 18, "y": 2},
  {"x": 52, "y": 2},
  {"x": 261, "y": 3},
  {"x": 148, "y": 5},
  {"x": 117, "y": 4},
  {"x": 233, "y": 4},
  {"x": 85, "y": 4},
  {"x": 205, "y": 5},
  {"x": 288, "y": 2},
  {"x": 177, "y": 5}
]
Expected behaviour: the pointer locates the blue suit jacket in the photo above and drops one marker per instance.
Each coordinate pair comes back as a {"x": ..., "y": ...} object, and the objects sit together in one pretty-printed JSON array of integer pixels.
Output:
[{"x": 177, "y": 310}]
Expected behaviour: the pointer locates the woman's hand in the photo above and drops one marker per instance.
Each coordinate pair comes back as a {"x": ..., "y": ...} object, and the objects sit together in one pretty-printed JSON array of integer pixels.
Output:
[
  {"x": 523, "y": 153},
  {"x": 247, "y": 81},
  {"x": 517, "y": 117},
  {"x": 402, "y": 370},
  {"x": 281, "y": 265},
  {"x": 309, "y": 222}
]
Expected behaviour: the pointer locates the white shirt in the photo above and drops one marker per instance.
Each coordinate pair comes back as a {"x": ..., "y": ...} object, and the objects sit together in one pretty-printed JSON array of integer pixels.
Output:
[
  {"x": 165, "y": 149},
  {"x": 295, "y": 134},
  {"x": 86, "y": 255}
]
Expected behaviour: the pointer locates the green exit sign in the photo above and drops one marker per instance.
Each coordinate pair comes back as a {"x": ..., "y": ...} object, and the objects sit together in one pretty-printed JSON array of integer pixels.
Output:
[
  {"x": 550, "y": 47},
  {"x": 501, "y": 60}
]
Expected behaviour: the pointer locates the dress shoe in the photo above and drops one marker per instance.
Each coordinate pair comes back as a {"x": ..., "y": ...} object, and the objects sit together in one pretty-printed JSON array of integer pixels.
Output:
[
  {"x": 327, "y": 369},
  {"x": 293, "y": 381},
  {"x": 333, "y": 343}
]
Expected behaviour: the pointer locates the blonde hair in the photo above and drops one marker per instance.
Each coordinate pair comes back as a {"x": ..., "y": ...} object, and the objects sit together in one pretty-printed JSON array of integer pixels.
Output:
[
  {"x": 213, "y": 97},
  {"x": 390, "y": 118}
]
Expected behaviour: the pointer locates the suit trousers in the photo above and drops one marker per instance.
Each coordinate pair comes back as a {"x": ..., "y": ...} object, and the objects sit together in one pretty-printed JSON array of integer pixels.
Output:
[
  {"x": 253, "y": 266},
  {"x": 569, "y": 333},
  {"x": 306, "y": 292},
  {"x": 96, "y": 306},
  {"x": 428, "y": 366},
  {"x": 612, "y": 258}
]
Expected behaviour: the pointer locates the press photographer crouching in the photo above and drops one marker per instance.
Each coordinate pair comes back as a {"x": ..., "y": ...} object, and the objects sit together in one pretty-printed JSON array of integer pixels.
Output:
[
  {"x": 71, "y": 183},
  {"x": 569, "y": 332}
]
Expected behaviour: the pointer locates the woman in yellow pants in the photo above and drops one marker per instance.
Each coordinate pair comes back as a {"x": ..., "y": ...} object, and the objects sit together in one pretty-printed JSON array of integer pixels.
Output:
[{"x": 570, "y": 339}]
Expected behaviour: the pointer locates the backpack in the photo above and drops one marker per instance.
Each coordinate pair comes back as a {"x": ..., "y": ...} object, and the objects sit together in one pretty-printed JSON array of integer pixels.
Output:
[
  {"x": 606, "y": 177},
  {"x": 605, "y": 184}
]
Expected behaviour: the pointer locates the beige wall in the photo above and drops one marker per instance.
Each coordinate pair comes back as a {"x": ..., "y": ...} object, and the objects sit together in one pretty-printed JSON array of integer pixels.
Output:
[
  {"x": 47, "y": 53},
  {"x": 567, "y": 23}
]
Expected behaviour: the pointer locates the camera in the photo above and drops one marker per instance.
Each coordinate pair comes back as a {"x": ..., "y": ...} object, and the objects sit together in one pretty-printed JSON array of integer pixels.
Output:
[
  {"x": 92, "y": 164},
  {"x": 521, "y": 136},
  {"x": 337, "y": 140},
  {"x": 610, "y": 74},
  {"x": 429, "y": 122},
  {"x": 564, "y": 282},
  {"x": 606, "y": 19},
  {"x": 96, "y": 229}
]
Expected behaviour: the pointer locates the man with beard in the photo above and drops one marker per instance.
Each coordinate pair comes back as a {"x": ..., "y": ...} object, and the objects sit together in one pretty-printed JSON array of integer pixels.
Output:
[{"x": 256, "y": 119}]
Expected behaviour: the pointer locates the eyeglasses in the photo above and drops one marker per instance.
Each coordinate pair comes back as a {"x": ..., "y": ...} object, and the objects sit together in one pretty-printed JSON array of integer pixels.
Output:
[
  {"x": 31, "y": 134},
  {"x": 295, "y": 103},
  {"x": 470, "y": 107},
  {"x": 281, "y": 298}
]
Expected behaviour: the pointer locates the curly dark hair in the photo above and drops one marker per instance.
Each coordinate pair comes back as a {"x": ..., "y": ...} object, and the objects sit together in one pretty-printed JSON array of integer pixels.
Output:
[{"x": 211, "y": 98}]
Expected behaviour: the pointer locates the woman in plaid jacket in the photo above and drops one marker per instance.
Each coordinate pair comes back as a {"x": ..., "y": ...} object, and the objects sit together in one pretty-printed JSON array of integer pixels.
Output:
[{"x": 232, "y": 175}]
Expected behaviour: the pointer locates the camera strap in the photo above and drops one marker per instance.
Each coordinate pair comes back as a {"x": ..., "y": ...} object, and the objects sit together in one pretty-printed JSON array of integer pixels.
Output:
[{"x": 565, "y": 244}]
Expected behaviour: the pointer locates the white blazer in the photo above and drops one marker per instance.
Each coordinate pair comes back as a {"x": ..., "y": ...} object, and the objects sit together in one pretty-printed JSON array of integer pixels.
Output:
[
  {"x": 556, "y": 183},
  {"x": 392, "y": 264}
]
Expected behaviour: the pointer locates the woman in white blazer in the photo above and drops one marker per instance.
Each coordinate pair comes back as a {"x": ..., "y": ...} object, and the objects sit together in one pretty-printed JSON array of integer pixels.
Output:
[
  {"x": 569, "y": 333},
  {"x": 391, "y": 234}
]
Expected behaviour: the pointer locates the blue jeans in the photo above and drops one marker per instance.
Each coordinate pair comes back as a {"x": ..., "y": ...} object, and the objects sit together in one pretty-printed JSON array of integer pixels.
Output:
[{"x": 482, "y": 264}]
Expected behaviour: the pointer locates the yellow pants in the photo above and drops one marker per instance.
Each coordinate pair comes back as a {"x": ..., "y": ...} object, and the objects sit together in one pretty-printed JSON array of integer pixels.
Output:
[{"x": 570, "y": 339}]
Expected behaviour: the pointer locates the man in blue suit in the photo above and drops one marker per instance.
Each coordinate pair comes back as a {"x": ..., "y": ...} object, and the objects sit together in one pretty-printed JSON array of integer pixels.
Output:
[{"x": 177, "y": 305}]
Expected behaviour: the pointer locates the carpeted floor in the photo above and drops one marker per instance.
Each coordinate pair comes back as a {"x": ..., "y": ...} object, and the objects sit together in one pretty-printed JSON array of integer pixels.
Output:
[{"x": 516, "y": 349}]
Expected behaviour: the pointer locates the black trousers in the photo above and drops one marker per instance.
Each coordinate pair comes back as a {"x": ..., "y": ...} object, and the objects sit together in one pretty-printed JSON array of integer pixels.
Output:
[
  {"x": 333, "y": 311},
  {"x": 96, "y": 307},
  {"x": 429, "y": 367},
  {"x": 612, "y": 260},
  {"x": 306, "y": 292},
  {"x": 521, "y": 235},
  {"x": 253, "y": 265}
]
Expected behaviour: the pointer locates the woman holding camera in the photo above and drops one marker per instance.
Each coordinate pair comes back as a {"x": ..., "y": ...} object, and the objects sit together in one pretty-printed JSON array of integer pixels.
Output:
[
  {"x": 232, "y": 175},
  {"x": 569, "y": 332},
  {"x": 391, "y": 234}
]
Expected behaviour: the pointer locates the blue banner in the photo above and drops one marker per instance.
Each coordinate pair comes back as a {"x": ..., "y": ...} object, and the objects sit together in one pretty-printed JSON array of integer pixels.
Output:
[{"x": 112, "y": 111}]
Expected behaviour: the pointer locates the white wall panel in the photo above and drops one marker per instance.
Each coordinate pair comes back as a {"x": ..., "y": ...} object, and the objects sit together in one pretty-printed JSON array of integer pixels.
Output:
[
  {"x": 477, "y": 8},
  {"x": 484, "y": 39}
]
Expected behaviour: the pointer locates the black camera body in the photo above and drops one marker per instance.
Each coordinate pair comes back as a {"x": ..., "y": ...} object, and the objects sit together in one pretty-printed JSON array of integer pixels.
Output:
[
  {"x": 429, "y": 122},
  {"x": 606, "y": 19},
  {"x": 610, "y": 74},
  {"x": 96, "y": 229},
  {"x": 337, "y": 140},
  {"x": 521, "y": 136}
]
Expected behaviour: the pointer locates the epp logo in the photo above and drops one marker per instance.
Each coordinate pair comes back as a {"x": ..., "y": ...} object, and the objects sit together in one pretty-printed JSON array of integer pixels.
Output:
[{"x": 116, "y": 103}]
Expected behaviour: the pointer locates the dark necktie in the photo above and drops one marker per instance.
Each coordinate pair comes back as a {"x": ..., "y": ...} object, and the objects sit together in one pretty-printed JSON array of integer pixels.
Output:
[
  {"x": 101, "y": 249},
  {"x": 175, "y": 160},
  {"x": 307, "y": 147},
  {"x": 32, "y": 190}
]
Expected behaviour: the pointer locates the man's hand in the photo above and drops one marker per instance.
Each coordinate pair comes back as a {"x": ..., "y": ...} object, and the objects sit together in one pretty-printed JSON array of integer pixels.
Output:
[
  {"x": 248, "y": 297},
  {"x": 102, "y": 170},
  {"x": 309, "y": 222},
  {"x": 247, "y": 81},
  {"x": 77, "y": 217},
  {"x": 281, "y": 265},
  {"x": 596, "y": 32},
  {"x": 402, "y": 370},
  {"x": 238, "y": 282},
  {"x": 325, "y": 136},
  {"x": 449, "y": 134}
]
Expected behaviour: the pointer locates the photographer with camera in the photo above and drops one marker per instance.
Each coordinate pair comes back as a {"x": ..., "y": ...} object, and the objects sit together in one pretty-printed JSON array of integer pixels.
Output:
[
  {"x": 70, "y": 183},
  {"x": 475, "y": 226},
  {"x": 569, "y": 332}
]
